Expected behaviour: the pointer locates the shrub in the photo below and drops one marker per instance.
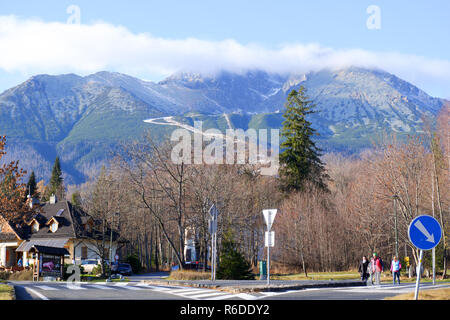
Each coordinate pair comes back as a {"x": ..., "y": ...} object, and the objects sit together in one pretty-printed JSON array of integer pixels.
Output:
[
  {"x": 135, "y": 263},
  {"x": 26, "y": 275},
  {"x": 233, "y": 265},
  {"x": 98, "y": 269},
  {"x": 4, "y": 275}
]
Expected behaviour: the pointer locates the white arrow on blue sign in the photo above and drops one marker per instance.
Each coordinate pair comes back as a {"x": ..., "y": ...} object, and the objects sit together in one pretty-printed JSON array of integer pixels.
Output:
[{"x": 425, "y": 232}]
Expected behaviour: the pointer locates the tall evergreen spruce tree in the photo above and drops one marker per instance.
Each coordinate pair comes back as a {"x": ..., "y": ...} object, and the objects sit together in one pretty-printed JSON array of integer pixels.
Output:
[
  {"x": 300, "y": 157},
  {"x": 31, "y": 185},
  {"x": 55, "y": 185}
]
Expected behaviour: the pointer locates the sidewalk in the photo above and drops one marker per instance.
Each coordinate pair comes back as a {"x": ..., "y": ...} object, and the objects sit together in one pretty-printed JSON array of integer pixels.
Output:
[{"x": 245, "y": 286}]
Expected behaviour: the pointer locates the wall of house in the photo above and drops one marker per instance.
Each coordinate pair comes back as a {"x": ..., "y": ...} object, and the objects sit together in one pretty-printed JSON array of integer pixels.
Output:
[
  {"x": 8, "y": 254},
  {"x": 92, "y": 250}
]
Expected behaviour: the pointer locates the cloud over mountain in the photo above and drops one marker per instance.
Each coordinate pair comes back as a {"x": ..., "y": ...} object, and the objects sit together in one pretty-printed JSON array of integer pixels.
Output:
[{"x": 34, "y": 46}]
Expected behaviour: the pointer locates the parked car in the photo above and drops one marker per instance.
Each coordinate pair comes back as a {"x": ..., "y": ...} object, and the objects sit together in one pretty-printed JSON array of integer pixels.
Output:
[
  {"x": 195, "y": 265},
  {"x": 122, "y": 268},
  {"x": 89, "y": 264}
]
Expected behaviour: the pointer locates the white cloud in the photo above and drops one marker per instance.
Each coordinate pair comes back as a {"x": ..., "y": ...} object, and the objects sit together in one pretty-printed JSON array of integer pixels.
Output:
[{"x": 33, "y": 46}]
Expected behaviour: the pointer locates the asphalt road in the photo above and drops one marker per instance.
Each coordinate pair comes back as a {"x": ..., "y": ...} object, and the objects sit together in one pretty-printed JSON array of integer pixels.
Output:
[{"x": 134, "y": 290}]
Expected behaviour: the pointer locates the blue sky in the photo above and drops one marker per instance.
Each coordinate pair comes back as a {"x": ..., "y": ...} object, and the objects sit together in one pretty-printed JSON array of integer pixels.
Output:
[{"x": 419, "y": 29}]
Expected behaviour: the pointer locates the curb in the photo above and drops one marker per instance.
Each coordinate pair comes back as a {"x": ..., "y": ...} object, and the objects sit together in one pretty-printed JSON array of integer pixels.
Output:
[{"x": 255, "y": 288}]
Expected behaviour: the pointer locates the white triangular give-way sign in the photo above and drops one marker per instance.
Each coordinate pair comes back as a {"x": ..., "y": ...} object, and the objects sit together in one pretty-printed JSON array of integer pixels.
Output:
[{"x": 269, "y": 216}]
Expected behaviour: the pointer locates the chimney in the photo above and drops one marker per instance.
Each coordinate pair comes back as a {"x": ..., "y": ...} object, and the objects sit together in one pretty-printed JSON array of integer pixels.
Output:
[
  {"x": 30, "y": 201},
  {"x": 53, "y": 199}
]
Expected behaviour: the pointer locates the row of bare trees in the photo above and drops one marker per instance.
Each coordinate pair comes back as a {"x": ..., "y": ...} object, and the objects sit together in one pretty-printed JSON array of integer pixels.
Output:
[
  {"x": 163, "y": 204},
  {"x": 332, "y": 230}
]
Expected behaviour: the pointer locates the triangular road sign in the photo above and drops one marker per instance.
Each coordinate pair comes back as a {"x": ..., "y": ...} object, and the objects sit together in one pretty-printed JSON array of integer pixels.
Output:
[{"x": 269, "y": 216}]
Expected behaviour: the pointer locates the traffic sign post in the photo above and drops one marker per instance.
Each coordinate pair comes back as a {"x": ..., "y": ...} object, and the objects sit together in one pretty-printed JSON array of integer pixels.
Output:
[
  {"x": 214, "y": 213},
  {"x": 424, "y": 232},
  {"x": 269, "y": 216}
]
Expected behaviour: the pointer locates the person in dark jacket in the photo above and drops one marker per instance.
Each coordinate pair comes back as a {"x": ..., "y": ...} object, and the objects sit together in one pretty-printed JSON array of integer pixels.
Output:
[{"x": 363, "y": 264}]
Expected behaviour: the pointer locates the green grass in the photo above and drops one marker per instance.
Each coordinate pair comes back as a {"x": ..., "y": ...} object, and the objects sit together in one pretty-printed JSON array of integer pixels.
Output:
[
  {"x": 6, "y": 292},
  {"x": 344, "y": 275},
  {"x": 93, "y": 278},
  {"x": 432, "y": 294},
  {"x": 386, "y": 277}
]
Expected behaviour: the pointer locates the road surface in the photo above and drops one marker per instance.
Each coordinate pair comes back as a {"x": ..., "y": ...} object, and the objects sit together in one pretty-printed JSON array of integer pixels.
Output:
[{"x": 134, "y": 290}]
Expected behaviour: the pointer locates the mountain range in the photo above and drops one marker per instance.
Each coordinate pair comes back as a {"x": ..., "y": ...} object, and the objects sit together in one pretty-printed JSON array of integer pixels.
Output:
[{"x": 82, "y": 119}]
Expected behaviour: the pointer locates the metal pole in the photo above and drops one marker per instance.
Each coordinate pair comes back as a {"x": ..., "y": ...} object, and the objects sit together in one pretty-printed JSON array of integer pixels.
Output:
[
  {"x": 268, "y": 257},
  {"x": 416, "y": 294},
  {"x": 212, "y": 253},
  {"x": 110, "y": 248},
  {"x": 213, "y": 248},
  {"x": 434, "y": 265},
  {"x": 395, "y": 226},
  {"x": 215, "y": 254},
  {"x": 110, "y": 241}
]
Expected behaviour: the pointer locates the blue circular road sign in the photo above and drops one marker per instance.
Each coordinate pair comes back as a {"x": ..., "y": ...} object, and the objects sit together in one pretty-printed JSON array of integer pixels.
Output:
[{"x": 425, "y": 232}]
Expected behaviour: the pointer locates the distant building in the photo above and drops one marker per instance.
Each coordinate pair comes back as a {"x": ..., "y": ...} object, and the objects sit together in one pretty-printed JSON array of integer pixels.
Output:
[{"x": 56, "y": 224}]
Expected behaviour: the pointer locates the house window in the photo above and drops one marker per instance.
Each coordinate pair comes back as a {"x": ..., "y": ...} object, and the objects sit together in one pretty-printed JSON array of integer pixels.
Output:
[
  {"x": 84, "y": 252},
  {"x": 35, "y": 227},
  {"x": 54, "y": 227}
]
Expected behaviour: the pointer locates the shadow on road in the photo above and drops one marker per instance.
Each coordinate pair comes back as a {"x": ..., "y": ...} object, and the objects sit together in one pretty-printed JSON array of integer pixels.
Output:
[{"x": 22, "y": 294}]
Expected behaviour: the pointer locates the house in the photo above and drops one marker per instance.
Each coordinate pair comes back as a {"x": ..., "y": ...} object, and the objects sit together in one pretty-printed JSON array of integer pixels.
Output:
[
  {"x": 10, "y": 238},
  {"x": 55, "y": 224}
]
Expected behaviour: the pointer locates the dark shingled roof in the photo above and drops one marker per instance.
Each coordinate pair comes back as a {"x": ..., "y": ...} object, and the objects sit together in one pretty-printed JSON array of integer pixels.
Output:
[
  {"x": 65, "y": 220},
  {"x": 71, "y": 223}
]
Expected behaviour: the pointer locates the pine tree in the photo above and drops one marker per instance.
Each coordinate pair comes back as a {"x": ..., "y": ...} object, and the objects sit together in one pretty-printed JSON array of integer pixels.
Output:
[
  {"x": 76, "y": 199},
  {"x": 32, "y": 186},
  {"x": 233, "y": 265},
  {"x": 300, "y": 157},
  {"x": 55, "y": 185}
]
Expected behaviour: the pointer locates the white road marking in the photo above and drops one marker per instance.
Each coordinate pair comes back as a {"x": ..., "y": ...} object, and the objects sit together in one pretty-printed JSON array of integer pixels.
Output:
[
  {"x": 75, "y": 288},
  {"x": 132, "y": 288},
  {"x": 39, "y": 295},
  {"x": 246, "y": 296},
  {"x": 187, "y": 291},
  {"x": 121, "y": 284},
  {"x": 46, "y": 288},
  {"x": 103, "y": 287},
  {"x": 209, "y": 294},
  {"x": 228, "y": 296}
]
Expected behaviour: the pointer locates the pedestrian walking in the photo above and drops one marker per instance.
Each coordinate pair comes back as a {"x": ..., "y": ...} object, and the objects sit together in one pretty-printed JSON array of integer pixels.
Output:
[
  {"x": 396, "y": 266},
  {"x": 370, "y": 270},
  {"x": 377, "y": 268},
  {"x": 362, "y": 269}
]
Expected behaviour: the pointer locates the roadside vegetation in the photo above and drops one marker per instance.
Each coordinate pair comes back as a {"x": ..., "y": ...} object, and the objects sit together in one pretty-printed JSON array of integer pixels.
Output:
[
  {"x": 189, "y": 275},
  {"x": 6, "y": 292},
  {"x": 432, "y": 294}
]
